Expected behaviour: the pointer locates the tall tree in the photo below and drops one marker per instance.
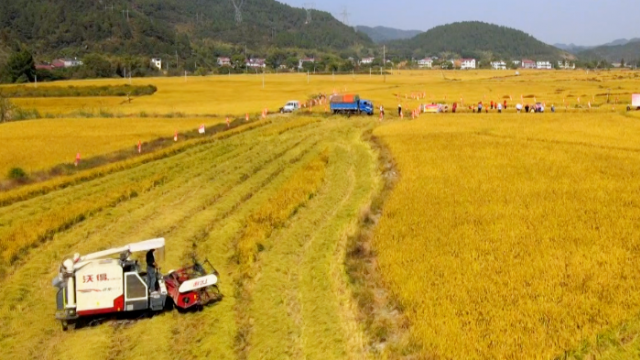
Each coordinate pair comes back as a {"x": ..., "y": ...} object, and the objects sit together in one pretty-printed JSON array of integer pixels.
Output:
[{"x": 20, "y": 67}]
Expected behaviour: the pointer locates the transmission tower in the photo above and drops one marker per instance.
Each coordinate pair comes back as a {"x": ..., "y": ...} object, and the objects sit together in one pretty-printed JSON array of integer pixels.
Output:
[
  {"x": 237, "y": 4},
  {"x": 345, "y": 16},
  {"x": 308, "y": 7}
]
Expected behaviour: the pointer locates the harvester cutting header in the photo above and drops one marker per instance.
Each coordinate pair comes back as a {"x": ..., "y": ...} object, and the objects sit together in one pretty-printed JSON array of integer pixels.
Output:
[{"x": 101, "y": 283}]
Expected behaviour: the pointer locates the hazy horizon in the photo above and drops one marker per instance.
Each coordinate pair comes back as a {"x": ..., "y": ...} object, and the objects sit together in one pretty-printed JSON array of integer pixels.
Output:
[{"x": 571, "y": 21}]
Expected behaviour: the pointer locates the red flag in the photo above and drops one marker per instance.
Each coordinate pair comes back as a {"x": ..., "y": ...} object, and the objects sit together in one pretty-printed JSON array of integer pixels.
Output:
[
  {"x": 77, "y": 159},
  {"x": 201, "y": 130}
]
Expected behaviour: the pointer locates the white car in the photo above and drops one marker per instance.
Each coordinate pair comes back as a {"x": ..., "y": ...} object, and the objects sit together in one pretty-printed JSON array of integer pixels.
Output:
[{"x": 291, "y": 106}]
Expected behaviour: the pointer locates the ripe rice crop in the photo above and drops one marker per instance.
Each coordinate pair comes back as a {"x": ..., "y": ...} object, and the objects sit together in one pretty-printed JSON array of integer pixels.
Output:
[
  {"x": 510, "y": 238},
  {"x": 37, "y": 145}
]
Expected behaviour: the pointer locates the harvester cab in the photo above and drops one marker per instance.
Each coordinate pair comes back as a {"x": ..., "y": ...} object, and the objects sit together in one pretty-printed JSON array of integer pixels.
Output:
[{"x": 110, "y": 282}]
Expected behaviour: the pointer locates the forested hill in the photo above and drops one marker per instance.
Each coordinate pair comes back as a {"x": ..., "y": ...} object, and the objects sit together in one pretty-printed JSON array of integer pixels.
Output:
[
  {"x": 476, "y": 40},
  {"x": 629, "y": 53},
  {"x": 380, "y": 33},
  {"x": 163, "y": 27}
]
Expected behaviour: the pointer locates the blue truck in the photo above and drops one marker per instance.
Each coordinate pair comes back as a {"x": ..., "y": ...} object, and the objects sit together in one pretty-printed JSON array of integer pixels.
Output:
[{"x": 350, "y": 105}]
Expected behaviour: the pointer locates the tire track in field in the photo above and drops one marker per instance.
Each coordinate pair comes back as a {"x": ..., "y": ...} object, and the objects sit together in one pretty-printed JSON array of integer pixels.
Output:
[
  {"x": 147, "y": 210},
  {"x": 203, "y": 244},
  {"x": 279, "y": 314},
  {"x": 290, "y": 318}
]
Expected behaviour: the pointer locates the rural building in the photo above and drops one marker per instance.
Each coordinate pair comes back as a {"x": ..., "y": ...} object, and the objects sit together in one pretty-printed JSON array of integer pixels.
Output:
[
  {"x": 544, "y": 65},
  {"x": 467, "y": 64},
  {"x": 499, "y": 65},
  {"x": 305, "y": 60},
  {"x": 516, "y": 63},
  {"x": 255, "y": 63},
  {"x": 528, "y": 64},
  {"x": 224, "y": 61},
  {"x": 66, "y": 63},
  {"x": 566, "y": 65},
  {"x": 157, "y": 63},
  {"x": 426, "y": 63},
  {"x": 44, "y": 67},
  {"x": 366, "y": 61}
]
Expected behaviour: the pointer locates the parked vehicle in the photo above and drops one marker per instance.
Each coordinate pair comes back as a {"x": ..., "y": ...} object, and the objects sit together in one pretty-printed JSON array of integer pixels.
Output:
[
  {"x": 290, "y": 107},
  {"x": 351, "y": 105}
]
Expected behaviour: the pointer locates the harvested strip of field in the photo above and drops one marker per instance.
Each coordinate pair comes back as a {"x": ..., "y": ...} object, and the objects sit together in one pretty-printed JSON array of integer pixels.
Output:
[
  {"x": 201, "y": 207},
  {"x": 513, "y": 241}
]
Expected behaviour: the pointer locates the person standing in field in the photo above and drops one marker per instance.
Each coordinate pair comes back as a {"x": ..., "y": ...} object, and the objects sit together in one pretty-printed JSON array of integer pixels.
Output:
[
  {"x": 519, "y": 108},
  {"x": 399, "y": 109},
  {"x": 499, "y": 108},
  {"x": 381, "y": 111},
  {"x": 454, "y": 107},
  {"x": 480, "y": 107},
  {"x": 505, "y": 104},
  {"x": 526, "y": 108},
  {"x": 151, "y": 270}
]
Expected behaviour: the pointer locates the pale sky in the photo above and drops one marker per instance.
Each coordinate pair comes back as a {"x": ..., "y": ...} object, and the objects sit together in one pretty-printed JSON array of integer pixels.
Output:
[{"x": 582, "y": 22}]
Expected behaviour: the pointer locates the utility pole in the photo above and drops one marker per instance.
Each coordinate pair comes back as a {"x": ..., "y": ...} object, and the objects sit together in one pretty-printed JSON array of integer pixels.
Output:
[{"x": 384, "y": 60}]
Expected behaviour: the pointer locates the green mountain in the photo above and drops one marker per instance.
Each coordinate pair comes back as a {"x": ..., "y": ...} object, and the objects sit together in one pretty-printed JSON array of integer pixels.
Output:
[
  {"x": 630, "y": 52},
  {"x": 476, "y": 40},
  {"x": 381, "y": 34},
  {"x": 167, "y": 27}
]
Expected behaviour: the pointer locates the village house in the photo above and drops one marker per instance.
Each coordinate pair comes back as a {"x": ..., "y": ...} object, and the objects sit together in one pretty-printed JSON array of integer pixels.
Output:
[
  {"x": 426, "y": 63},
  {"x": 528, "y": 64},
  {"x": 66, "y": 63},
  {"x": 44, "y": 66},
  {"x": 224, "y": 61},
  {"x": 567, "y": 65},
  {"x": 157, "y": 63},
  {"x": 302, "y": 61},
  {"x": 256, "y": 63},
  {"x": 544, "y": 65},
  {"x": 467, "y": 64},
  {"x": 366, "y": 61},
  {"x": 499, "y": 65}
]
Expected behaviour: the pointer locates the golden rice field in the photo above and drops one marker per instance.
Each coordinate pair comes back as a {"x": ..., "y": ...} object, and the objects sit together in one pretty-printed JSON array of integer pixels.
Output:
[
  {"x": 36, "y": 145},
  {"x": 515, "y": 236},
  {"x": 506, "y": 236}
]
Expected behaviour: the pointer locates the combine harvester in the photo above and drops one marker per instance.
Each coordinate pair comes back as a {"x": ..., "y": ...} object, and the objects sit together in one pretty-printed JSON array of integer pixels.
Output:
[{"x": 100, "y": 284}]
